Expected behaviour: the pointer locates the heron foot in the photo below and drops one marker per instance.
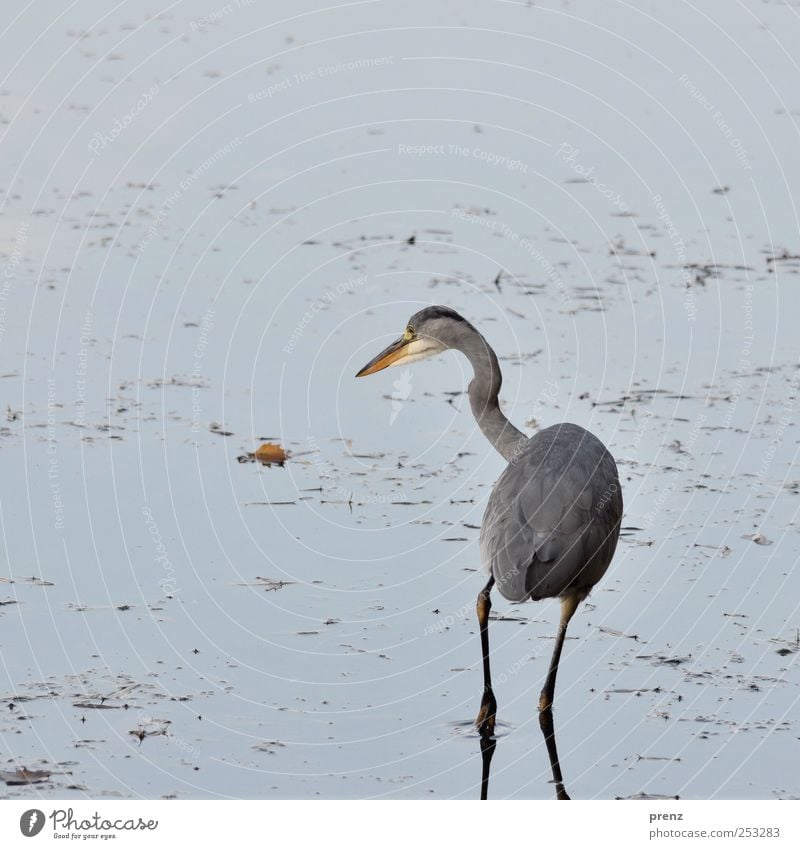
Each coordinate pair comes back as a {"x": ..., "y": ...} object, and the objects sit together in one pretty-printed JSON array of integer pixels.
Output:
[
  {"x": 486, "y": 715},
  {"x": 561, "y": 793}
]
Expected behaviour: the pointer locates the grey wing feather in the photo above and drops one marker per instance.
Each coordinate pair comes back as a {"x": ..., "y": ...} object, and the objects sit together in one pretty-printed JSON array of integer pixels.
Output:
[{"x": 552, "y": 521}]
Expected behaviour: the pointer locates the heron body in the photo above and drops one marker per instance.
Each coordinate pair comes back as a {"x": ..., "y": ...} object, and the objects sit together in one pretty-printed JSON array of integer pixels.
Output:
[{"x": 553, "y": 519}]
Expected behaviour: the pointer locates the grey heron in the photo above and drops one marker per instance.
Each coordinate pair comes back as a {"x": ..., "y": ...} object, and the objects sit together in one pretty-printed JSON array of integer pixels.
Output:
[{"x": 553, "y": 518}]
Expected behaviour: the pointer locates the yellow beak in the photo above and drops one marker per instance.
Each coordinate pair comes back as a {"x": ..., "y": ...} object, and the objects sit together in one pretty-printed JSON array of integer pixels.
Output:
[{"x": 396, "y": 352}]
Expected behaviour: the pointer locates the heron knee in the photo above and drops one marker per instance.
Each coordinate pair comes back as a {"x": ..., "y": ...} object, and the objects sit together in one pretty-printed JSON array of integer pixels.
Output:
[{"x": 483, "y": 606}]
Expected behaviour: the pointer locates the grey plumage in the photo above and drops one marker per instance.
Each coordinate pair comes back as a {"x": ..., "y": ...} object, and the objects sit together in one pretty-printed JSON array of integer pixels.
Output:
[{"x": 553, "y": 518}]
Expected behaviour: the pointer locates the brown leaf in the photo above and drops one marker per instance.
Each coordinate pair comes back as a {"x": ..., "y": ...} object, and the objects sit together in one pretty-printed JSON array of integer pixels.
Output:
[{"x": 269, "y": 453}]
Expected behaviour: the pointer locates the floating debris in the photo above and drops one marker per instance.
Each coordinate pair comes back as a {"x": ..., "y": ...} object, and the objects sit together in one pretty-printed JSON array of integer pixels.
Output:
[
  {"x": 507, "y": 618},
  {"x": 627, "y": 691},
  {"x": 758, "y": 539},
  {"x": 662, "y": 660},
  {"x": 37, "y": 582},
  {"x": 160, "y": 730},
  {"x": 783, "y": 257},
  {"x": 269, "y": 584},
  {"x": 613, "y": 632},
  {"x": 23, "y": 775},
  {"x": 648, "y": 797},
  {"x": 269, "y": 746},
  {"x": 723, "y": 550}
]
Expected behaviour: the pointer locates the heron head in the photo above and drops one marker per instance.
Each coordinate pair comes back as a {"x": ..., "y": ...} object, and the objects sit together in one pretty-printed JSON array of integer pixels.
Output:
[{"x": 428, "y": 332}]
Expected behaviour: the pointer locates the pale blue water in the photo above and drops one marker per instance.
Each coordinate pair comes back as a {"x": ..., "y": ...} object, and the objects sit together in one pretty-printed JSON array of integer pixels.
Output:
[{"x": 238, "y": 249}]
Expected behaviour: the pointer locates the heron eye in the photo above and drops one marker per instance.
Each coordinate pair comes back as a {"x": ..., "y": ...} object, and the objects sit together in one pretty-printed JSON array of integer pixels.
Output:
[{"x": 409, "y": 333}]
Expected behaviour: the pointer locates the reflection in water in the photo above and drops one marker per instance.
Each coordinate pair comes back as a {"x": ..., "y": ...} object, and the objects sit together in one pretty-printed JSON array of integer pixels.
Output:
[
  {"x": 546, "y": 724},
  {"x": 489, "y": 744}
]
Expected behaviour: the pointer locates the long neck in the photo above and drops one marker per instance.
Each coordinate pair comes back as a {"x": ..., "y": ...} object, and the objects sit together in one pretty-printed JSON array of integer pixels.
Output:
[{"x": 483, "y": 391}]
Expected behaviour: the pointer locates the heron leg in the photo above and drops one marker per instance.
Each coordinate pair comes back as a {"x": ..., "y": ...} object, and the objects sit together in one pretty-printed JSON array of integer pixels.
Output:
[
  {"x": 569, "y": 605},
  {"x": 486, "y": 714}
]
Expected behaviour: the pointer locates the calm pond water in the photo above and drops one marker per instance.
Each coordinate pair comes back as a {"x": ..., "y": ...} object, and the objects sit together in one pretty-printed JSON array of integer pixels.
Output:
[{"x": 212, "y": 217}]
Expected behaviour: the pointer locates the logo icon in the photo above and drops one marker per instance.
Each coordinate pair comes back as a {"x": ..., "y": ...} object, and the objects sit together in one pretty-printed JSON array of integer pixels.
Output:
[{"x": 31, "y": 822}]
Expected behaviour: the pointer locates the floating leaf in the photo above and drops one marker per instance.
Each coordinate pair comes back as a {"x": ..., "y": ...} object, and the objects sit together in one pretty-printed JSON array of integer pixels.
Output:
[{"x": 269, "y": 453}]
